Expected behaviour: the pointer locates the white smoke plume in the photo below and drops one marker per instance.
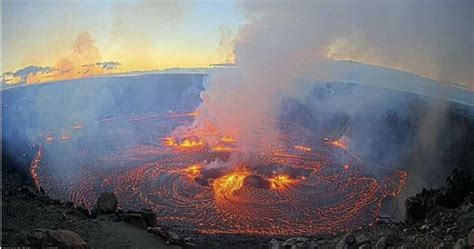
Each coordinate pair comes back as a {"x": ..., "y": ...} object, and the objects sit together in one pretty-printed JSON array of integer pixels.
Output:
[{"x": 282, "y": 38}]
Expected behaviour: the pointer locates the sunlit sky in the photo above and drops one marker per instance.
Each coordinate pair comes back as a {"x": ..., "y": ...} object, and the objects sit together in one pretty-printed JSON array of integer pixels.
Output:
[
  {"x": 46, "y": 40},
  {"x": 140, "y": 35}
]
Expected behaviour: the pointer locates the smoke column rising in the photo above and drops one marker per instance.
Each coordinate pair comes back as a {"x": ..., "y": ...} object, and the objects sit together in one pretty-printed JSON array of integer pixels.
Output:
[{"x": 282, "y": 38}]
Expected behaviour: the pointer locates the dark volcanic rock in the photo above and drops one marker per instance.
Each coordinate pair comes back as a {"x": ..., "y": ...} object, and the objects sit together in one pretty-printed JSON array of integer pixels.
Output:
[
  {"x": 171, "y": 237},
  {"x": 457, "y": 187},
  {"x": 414, "y": 210},
  {"x": 387, "y": 241},
  {"x": 82, "y": 208},
  {"x": 158, "y": 231},
  {"x": 28, "y": 192},
  {"x": 452, "y": 195},
  {"x": 107, "y": 203},
  {"x": 144, "y": 218},
  {"x": 466, "y": 220},
  {"x": 470, "y": 239},
  {"x": 362, "y": 240},
  {"x": 255, "y": 181},
  {"x": 56, "y": 238},
  {"x": 202, "y": 181},
  {"x": 461, "y": 244},
  {"x": 273, "y": 244},
  {"x": 348, "y": 241},
  {"x": 297, "y": 242},
  {"x": 135, "y": 219},
  {"x": 149, "y": 217}
]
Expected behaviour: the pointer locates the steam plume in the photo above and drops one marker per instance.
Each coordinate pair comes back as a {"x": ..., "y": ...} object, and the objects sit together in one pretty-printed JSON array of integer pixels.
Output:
[{"x": 282, "y": 38}]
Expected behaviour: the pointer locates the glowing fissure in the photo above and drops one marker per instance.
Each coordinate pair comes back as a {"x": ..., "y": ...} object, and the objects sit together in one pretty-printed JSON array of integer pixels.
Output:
[{"x": 34, "y": 168}]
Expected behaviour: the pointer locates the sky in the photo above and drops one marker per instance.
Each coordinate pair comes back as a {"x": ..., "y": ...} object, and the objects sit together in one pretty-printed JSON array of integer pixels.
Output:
[
  {"x": 138, "y": 35},
  {"x": 45, "y": 40}
]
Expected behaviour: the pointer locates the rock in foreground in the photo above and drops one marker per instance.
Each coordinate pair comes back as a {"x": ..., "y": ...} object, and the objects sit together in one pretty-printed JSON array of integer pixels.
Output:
[
  {"x": 56, "y": 238},
  {"x": 107, "y": 203}
]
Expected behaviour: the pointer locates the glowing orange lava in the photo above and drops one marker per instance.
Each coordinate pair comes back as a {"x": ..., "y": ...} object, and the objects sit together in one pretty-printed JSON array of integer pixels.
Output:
[
  {"x": 339, "y": 143},
  {"x": 298, "y": 187},
  {"x": 281, "y": 182},
  {"x": 205, "y": 137},
  {"x": 228, "y": 139},
  {"x": 169, "y": 141},
  {"x": 222, "y": 149},
  {"x": 49, "y": 138},
  {"x": 35, "y": 164},
  {"x": 193, "y": 170},
  {"x": 187, "y": 143},
  {"x": 303, "y": 148},
  {"x": 226, "y": 185}
]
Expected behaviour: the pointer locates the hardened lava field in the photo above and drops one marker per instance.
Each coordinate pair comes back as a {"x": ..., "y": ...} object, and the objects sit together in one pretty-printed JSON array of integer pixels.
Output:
[{"x": 195, "y": 179}]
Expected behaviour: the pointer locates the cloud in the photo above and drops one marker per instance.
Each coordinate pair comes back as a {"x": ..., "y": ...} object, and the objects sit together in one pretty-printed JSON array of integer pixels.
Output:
[
  {"x": 84, "y": 59},
  {"x": 83, "y": 48},
  {"x": 21, "y": 76},
  {"x": 108, "y": 65},
  {"x": 429, "y": 38},
  {"x": 32, "y": 70}
]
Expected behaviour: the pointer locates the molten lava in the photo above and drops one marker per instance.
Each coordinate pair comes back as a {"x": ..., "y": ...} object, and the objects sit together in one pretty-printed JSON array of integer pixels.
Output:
[
  {"x": 222, "y": 148},
  {"x": 193, "y": 171},
  {"x": 228, "y": 139},
  {"x": 339, "y": 143},
  {"x": 226, "y": 185},
  {"x": 281, "y": 182},
  {"x": 49, "y": 138},
  {"x": 34, "y": 168},
  {"x": 186, "y": 143},
  {"x": 289, "y": 189},
  {"x": 302, "y": 148}
]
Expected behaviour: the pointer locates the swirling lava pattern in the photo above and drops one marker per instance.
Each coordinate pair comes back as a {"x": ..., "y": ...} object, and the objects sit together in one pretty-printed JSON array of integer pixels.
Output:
[{"x": 314, "y": 188}]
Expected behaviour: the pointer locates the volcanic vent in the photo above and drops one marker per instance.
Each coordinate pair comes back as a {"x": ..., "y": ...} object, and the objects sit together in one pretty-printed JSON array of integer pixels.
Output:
[{"x": 203, "y": 179}]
